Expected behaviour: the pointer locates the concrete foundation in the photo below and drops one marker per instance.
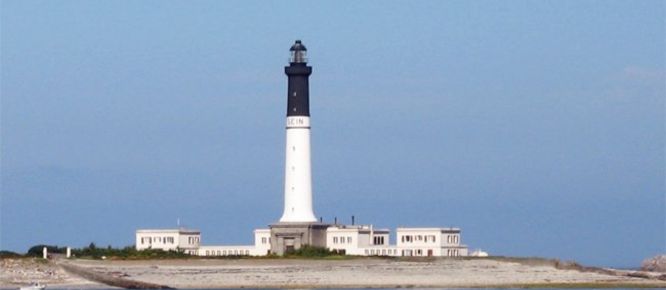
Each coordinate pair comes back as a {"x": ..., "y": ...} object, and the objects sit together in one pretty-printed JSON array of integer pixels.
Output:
[{"x": 286, "y": 237}]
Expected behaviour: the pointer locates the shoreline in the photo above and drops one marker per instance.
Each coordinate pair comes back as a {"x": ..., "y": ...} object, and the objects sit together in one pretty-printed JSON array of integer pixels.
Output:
[{"x": 493, "y": 272}]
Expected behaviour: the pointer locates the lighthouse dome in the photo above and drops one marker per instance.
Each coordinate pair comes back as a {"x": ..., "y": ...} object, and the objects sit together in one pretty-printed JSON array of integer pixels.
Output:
[{"x": 298, "y": 46}]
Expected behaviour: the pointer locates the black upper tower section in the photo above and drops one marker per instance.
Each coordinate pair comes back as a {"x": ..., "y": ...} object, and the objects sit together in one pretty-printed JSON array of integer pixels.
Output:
[{"x": 298, "y": 92}]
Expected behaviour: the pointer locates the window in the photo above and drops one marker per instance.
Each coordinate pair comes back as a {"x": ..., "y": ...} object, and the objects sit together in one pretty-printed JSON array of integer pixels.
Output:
[
  {"x": 335, "y": 240},
  {"x": 349, "y": 240},
  {"x": 366, "y": 251},
  {"x": 224, "y": 252},
  {"x": 378, "y": 240},
  {"x": 263, "y": 240},
  {"x": 247, "y": 252}
]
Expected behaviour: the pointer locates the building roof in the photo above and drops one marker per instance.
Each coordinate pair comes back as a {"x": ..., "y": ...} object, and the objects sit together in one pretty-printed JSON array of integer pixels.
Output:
[
  {"x": 443, "y": 230},
  {"x": 357, "y": 228},
  {"x": 170, "y": 231}
]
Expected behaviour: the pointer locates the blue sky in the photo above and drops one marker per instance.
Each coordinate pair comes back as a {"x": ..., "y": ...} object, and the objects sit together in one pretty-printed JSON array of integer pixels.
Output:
[{"x": 537, "y": 127}]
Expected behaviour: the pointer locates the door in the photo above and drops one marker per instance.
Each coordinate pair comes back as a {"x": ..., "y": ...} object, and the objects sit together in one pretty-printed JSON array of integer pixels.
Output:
[{"x": 289, "y": 245}]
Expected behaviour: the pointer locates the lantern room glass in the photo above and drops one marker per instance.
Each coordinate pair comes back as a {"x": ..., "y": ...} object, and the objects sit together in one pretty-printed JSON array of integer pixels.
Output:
[{"x": 298, "y": 56}]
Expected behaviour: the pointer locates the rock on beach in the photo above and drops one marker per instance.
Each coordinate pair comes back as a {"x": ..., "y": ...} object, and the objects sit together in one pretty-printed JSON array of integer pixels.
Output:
[{"x": 655, "y": 264}]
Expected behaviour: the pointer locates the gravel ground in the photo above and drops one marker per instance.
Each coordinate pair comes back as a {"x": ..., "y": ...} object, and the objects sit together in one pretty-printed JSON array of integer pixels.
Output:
[
  {"x": 21, "y": 272},
  {"x": 284, "y": 273}
]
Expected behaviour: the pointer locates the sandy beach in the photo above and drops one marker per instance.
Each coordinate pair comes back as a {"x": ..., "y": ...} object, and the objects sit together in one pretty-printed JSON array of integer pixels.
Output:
[{"x": 348, "y": 273}]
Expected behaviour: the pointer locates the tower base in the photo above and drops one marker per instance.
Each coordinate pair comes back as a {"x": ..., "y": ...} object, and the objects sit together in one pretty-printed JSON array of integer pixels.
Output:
[{"x": 290, "y": 236}]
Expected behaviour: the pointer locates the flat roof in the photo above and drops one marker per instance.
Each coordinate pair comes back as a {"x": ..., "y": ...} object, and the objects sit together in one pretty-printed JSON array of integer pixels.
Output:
[
  {"x": 170, "y": 231},
  {"x": 356, "y": 228},
  {"x": 428, "y": 230}
]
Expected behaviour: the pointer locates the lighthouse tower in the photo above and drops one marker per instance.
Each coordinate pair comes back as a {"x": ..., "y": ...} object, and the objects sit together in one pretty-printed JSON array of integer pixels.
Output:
[
  {"x": 298, "y": 225},
  {"x": 298, "y": 177}
]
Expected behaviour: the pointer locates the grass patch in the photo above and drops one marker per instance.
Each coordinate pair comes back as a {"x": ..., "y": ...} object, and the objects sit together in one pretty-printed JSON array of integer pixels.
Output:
[{"x": 308, "y": 251}]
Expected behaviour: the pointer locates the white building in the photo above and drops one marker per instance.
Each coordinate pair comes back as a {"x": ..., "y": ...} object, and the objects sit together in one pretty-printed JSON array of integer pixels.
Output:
[
  {"x": 441, "y": 242},
  {"x": 168, "y": 239},
  {"x": 355, "y": 240},
  {"x": 261, "y": 247},
  {"x": 366, "y": 241},
  {"x": 478, "y": 253}
]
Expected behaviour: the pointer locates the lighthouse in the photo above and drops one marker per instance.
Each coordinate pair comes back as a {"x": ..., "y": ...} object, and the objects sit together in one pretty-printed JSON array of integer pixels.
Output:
[
  {"x": 298, "y": 174},
  {"x": 298, "y": 225}
]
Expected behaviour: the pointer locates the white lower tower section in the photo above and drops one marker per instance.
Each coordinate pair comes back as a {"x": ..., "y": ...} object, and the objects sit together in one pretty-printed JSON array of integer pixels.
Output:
[{"x": 298, "y": 175}]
